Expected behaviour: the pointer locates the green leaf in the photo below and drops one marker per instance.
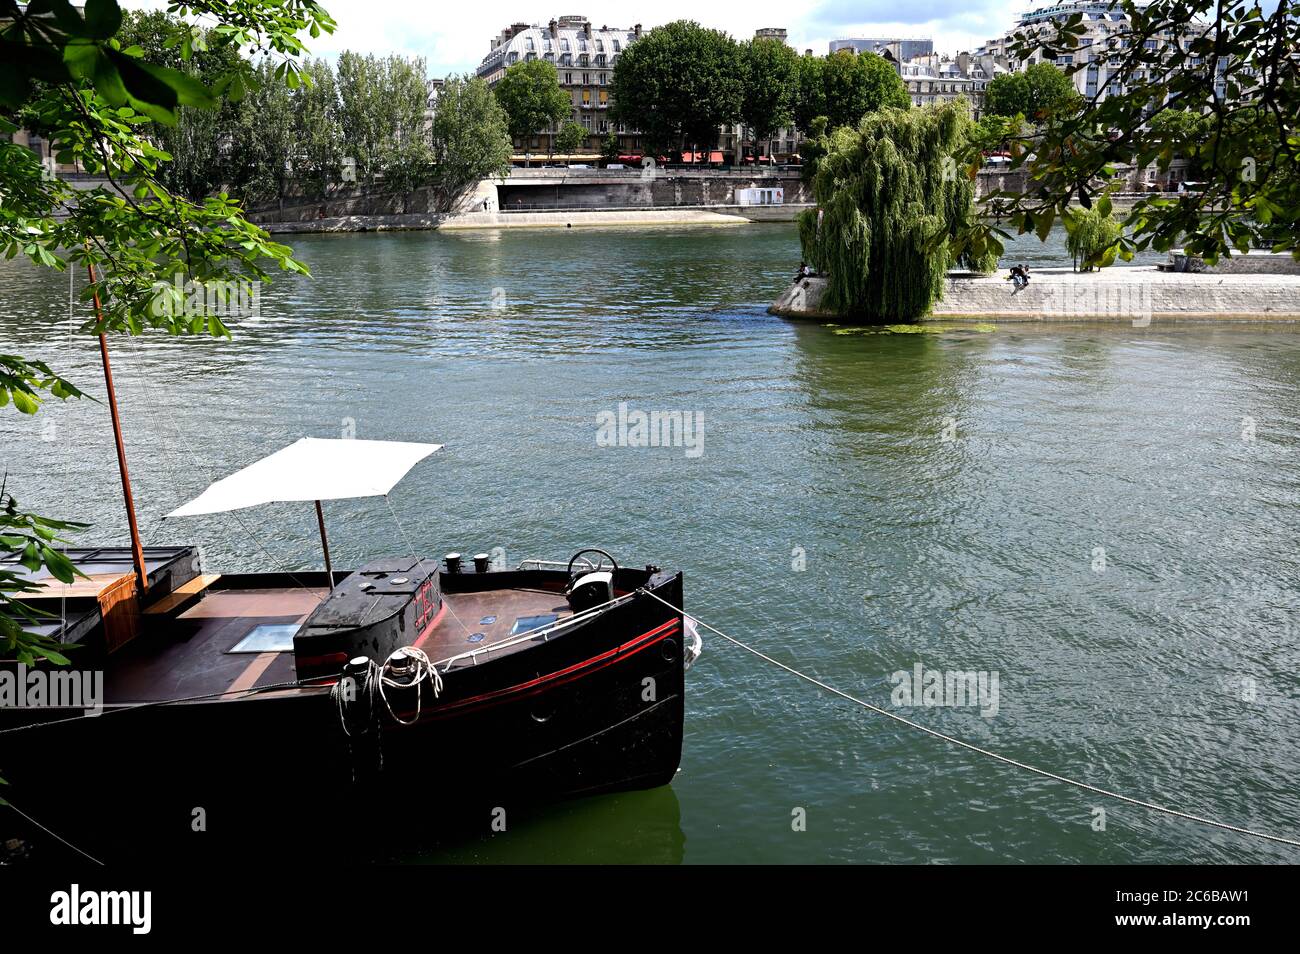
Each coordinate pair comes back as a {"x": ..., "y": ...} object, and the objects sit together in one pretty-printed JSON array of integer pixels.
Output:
[
  {"x": 103, "y": 18},
  {"x": 1043, "y": 222},
  {"x": 188, "y": 90},
  {"x": 25, "y": 402}
]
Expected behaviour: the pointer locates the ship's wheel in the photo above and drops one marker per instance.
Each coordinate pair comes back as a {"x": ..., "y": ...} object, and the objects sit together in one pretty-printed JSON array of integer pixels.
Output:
[{"x": 592, "y": 567}]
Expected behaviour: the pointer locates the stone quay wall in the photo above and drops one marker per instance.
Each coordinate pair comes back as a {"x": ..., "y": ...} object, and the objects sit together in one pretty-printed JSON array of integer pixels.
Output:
[{"x": 1134, "y": 294}]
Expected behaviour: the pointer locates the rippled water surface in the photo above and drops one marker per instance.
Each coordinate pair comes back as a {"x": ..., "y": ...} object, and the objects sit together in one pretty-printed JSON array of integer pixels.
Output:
[{"x": 949, "y": 497}]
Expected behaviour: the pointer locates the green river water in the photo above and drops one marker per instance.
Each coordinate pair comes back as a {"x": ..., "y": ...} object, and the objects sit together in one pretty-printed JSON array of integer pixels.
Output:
[{"x": 862, "y": 503}]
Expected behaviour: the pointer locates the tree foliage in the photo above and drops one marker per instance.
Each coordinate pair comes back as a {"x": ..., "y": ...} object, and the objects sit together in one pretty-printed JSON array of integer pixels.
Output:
[
  {"x": 892, "y": 207},
  {"x": 530, "y": 94},
  {"x": 382, "y": 103},
  {"x": 470, "y": 139},
  {"x": 1092, "y": 236},
  {"x": 771, "y": 85},
  {"x": 1234, "y": 63},
  {"x": 844, "y": 86},
  {"x": 198, "y": 142},
  {"x": 318, "y": 159},
  {"x": 1035, "y": 93},
  {"x": 571, "y": 138},
  {"x": 678, "y": 84},
  {"x": 860, "y": 83},
  {"x": 609, "y": 147},
  {"x": 35, "y": 541},
  {"x": 811, "y": 103},
  {"x": 64, "y": 73},
  {"x": 263, "y": 143}
]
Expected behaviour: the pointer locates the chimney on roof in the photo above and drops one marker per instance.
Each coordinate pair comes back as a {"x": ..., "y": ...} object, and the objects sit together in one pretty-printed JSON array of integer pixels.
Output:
[
  {"x": 586, "y": 27},
  {"x": 636, "y": 31},
  {"x": 554, "y": 27}
]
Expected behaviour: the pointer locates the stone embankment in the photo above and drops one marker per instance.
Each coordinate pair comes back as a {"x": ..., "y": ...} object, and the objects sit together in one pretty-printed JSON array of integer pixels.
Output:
[
  {"x": 580, "y": 218},
  {"x": 1264, "y": 290}
]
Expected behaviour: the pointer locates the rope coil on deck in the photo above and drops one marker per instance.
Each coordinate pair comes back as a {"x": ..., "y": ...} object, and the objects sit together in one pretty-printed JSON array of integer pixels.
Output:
[{"x": 1152, "y": 806}]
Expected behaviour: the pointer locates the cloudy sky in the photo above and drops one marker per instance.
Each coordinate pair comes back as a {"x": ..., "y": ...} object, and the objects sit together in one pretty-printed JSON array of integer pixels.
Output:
[{"x": 453, "y": 38}]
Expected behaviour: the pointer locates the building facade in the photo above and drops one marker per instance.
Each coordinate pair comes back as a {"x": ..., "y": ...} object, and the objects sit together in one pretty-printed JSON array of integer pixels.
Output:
[
  {"x": 934, "y": 79},
  {"x": 584, "y": 58}
]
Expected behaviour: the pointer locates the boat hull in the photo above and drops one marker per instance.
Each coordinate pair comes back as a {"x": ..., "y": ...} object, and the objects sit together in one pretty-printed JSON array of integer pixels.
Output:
[{"x": 596, "y": 707}]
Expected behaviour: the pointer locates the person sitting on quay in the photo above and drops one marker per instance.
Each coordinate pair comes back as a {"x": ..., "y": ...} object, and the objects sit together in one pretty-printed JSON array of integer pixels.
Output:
[{"x": 1019, "y": 276}]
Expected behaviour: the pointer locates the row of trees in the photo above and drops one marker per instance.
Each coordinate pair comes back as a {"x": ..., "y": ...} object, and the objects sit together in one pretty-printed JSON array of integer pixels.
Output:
[
  {"x": 679, "y": 83},
  {"x": 364, "y": 121}
]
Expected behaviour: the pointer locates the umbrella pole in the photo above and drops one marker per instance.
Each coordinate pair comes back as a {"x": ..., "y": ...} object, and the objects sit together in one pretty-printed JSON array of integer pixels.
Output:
[{"x": 325, "y": 544}]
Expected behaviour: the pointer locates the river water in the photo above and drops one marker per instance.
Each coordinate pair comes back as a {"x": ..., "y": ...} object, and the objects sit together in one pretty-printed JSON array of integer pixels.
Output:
[{"x": 1102, "y": 516}]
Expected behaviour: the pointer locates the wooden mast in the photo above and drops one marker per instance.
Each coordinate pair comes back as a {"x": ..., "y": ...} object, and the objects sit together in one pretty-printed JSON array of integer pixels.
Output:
[
  {"x": 137, "y": 550},
  {"x": 325, "y": 545}
]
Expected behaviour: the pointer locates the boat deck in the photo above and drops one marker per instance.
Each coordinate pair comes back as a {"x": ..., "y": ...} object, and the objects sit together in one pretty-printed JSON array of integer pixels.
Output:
[{"x": 191, "y": 654}]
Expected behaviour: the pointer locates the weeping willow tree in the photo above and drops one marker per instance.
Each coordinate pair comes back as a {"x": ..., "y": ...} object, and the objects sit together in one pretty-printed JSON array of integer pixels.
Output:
[
  {"x": 893, "y": 201},
  {"x": 1092, "y": 236}
]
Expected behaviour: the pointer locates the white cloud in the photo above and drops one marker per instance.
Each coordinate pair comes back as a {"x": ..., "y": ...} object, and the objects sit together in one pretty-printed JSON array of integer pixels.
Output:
[{"x": 453, "y": 38}]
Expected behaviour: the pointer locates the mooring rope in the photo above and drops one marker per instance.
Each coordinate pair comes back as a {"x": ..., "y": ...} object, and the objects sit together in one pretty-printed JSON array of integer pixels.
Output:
[
  {"x": 1152, "y": 806},
  {"x": 53, "y": 834}
]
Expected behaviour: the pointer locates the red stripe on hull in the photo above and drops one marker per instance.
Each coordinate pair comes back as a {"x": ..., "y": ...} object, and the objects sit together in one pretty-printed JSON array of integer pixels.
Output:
[{"x": 560, "y": 677}]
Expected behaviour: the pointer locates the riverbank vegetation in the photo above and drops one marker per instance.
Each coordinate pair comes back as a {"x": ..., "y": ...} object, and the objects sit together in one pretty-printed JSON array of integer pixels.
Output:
[
  {"x": 892, "y": 213},
  {"x": 1092, "y": 236},
  {"x": 277, "y": 135}
]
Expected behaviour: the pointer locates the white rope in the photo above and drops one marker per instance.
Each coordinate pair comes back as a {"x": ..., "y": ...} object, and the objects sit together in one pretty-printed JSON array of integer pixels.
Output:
[
  {"x": 377, "y": 676},
  {"x": 424, "y": 671},
  {"x": 985, "y": 752},
  {"x": 52, "y": 834}
]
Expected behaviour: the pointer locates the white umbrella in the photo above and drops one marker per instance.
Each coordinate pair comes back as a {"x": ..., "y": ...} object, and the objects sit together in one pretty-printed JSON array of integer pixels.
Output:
[{"x": 314, "y": 469}]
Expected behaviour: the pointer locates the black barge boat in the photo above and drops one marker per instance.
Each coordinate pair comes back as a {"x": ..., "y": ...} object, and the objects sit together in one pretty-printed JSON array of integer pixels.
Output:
[{"x": 344, "y": 713}]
